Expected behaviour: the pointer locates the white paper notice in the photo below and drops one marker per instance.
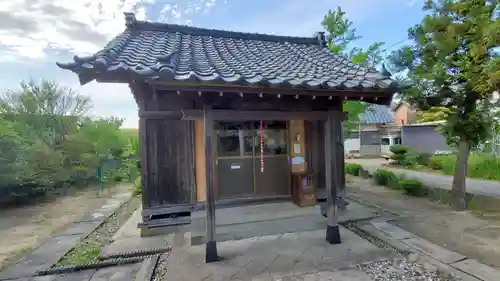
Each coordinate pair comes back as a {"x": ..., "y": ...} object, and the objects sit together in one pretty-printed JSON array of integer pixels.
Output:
[
  {"x": 296, "y": 160},
  {"x": 296, "y": 148},
  {"x": 235, "y": 166}
]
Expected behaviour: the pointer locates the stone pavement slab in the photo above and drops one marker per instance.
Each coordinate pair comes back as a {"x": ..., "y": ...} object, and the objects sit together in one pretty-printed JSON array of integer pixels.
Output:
[
  {"x": 80, "y": 228},
  {"x": 477, "y": 269},
  {"x": 44, "y": 257},
  {"x": 141, "y": 271},
  {"x": 54, "y": 248},
  {"x": 129, "y": 228},
  {"x": 447, "y": 260},
  {"x": 272, "y": 256},
  {"x": 268, "y": 219},
  {"x": 392, "y": 230},
  {"x": 433, "y": 250}
]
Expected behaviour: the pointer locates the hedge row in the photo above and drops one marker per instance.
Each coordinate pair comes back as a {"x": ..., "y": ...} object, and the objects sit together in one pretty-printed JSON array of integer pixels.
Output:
[
  {"x": 413, "y": 187},
  {"x": 481, "y": 166}
]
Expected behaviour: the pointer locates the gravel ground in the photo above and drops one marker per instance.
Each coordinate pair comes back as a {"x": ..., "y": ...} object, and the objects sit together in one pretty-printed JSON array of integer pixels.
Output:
[
  {"x": 401, "y": 269},
  {"x": 160, "y": 272},
  {"x": 88, "y": 249}
]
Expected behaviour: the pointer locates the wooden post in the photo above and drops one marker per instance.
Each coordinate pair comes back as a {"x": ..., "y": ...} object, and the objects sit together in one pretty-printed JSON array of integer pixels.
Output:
[
  {"x": 331, "y": 176},
  {"x": 211, "y": 245},
  {"x": 340, "y": 161}
]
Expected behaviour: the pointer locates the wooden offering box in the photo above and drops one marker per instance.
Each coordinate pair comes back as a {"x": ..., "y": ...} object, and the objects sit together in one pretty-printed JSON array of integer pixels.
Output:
[{"x": 303, "y": 189}]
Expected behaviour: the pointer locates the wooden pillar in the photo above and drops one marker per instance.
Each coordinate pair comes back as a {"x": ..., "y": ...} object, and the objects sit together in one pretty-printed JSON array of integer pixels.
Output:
[
  {"x": 340, "y": 162},
  {"x": 211, "y": 245},
  {"x": 331, "y": 178}
]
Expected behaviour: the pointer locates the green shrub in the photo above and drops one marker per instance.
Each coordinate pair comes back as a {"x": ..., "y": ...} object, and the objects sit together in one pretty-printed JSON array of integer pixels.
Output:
[
  {"x": 137, "y": 186},
  {"x": 382, "y": 177},
  {"x": 412, "y": 187},
  {"x": 393, "y": 182},
  {"x": 435, "y": 162},
  {"x": 481, "y": 166},
  {"x": 399, "y": 149},
  {"x": 403, "y": 155},
  {"x": 484, "y": 167},
  {"x": 352, "y": 168},
  {"x": 364, "y": 173},
  {"x": 424, "y": 159}
]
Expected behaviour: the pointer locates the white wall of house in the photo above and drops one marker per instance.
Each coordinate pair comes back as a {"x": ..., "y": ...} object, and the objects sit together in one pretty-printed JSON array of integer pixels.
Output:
[{"x": 351, "y": 145}]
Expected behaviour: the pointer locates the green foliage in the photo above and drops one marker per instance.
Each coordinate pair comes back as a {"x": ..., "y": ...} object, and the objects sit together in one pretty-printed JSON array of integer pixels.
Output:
[
  {"x": 339, "y": 34},
  {"x": 352, "y": 168},
  {"x": 481, "y": 166},
  {"x": 424, "y": 159},
  {"x": 354, "y": 109},
  {"x": 84, "y": 252},
  {"x": 434, "y": 113},
  {"x": 394, "y": 182},
  {"x": 399, "y": 149},
  {"x": 138, "y": 186},
  {"x": 413, "y": 187},
  {"x": 403, "y": 155},
  {"x": 48, "y": 142},
  {"x": 445, "y": 163},
  {"x": 383, "y": 177},
  {"x": 453, "y": 62}
]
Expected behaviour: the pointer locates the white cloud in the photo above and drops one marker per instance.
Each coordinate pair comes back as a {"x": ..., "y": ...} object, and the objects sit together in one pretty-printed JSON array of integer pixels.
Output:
[
  {"x": 32, "y": 30},
  {"x": 181, "y": 12},
  {"x": 29, "y": 28}
]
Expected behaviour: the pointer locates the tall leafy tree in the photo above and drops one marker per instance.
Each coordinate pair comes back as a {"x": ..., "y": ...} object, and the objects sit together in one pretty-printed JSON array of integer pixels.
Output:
[
  {"x": 340, "y": 33},
  {"x": 435, "y": 113},
  {"x": 453, "y": 63}
]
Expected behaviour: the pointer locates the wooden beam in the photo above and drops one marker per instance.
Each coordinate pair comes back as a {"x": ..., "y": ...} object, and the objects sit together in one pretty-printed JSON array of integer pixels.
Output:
[
  {"x": 241, "y": 115},
  {"x": 332, "y": 228},
  {"x": 265, "y": 89},
  {"x": 340, "y": 163},
  {"x": 211, "y": 254},
  {"x": 166, "y": 210},
  {"x": 188, "y": 114}
]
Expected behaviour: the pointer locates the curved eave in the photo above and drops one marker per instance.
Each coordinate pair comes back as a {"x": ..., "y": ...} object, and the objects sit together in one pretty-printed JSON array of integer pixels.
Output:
[{"x": 122, "y": 73}]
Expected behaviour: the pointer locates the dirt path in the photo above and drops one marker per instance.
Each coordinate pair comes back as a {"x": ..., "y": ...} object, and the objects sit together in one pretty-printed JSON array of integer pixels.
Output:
[
  {"x": 24, "y": 228},
  {"x": 463, "y": 232}
]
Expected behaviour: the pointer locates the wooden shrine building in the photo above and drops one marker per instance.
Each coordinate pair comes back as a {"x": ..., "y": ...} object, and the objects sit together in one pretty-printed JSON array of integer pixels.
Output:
[{"x": 229, "y": 117}]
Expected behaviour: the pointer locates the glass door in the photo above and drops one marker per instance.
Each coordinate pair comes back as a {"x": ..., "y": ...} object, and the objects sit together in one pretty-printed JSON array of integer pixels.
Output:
[
  {"x": 274, "y": 178},
  {"x": 235, "y": 161}
]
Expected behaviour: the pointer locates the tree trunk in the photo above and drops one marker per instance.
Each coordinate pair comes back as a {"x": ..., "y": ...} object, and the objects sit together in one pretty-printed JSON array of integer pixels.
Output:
[{"x": 458, "y": 186}]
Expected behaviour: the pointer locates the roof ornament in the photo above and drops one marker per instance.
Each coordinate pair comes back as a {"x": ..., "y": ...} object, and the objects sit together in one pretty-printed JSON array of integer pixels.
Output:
[
  {"x": 320, "y": 36},
  {"x": 130, "y": 19}
]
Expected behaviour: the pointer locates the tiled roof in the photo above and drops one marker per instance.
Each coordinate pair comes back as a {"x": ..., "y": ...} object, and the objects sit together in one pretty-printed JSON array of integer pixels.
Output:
[
  {"x": 167, "y": 52},
  {"x": 377, "y": 114}
]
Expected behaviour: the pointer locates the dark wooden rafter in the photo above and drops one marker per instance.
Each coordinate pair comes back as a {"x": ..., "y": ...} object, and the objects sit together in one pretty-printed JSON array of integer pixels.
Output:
[
  {"x": 238, "y": 115},
  {"x": 261, "y": 91}
]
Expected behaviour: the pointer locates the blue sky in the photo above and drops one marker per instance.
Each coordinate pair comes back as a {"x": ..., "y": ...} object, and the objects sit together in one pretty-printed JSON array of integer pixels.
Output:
[{"x": 34, "y": 34}]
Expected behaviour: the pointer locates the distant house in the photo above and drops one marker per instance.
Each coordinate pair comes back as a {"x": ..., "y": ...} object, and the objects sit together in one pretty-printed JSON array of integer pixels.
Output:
[
  {"x": 376, "y": 133},
  {"x": 404, "y": 113},
  {"x": 382, "y": 127},
  {"x": 424, "y": 138}
]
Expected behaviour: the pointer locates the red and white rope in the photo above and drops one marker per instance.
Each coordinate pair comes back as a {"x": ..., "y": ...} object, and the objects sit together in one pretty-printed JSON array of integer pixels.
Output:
[{"x": 261, "y": 132}]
